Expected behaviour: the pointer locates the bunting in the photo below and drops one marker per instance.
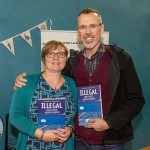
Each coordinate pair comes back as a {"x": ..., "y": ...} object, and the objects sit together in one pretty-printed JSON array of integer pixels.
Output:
[
  {"x": 26, "y": 35},
  {"x": 9, "y": 44},
  {"x": 42, "y": 26}
]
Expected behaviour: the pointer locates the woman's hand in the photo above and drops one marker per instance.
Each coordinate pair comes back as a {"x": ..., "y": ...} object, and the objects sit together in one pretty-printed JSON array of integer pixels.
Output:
[
  {"x": 60, "y": 135},
  {"x": 48, "y": 136},
  {"x": 64, "y": 134}
]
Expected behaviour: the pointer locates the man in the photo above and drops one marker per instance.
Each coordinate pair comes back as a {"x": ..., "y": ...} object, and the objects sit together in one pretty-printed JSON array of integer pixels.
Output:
[{"x": 112, "y": 68}]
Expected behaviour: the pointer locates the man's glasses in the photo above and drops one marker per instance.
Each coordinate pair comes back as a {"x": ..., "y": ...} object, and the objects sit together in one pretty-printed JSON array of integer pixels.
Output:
[
  {"x": 92, "y": 27},
  {"x": 59, "y": 54}
]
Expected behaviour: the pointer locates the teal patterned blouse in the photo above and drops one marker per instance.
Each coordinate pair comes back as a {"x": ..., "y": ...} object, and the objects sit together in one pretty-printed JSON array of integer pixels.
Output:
[{"x": 24, "y": 112}]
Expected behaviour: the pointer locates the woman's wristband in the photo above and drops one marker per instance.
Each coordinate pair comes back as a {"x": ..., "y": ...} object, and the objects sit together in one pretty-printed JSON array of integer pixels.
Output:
[
  {"x": 71, "y": 127},
  {"x": 42, "y": 135}
]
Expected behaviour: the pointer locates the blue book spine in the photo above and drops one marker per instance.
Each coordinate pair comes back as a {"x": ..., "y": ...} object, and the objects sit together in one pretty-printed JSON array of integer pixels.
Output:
[
  {"x": 51, "y": 113},
  {"x": 89, "y": 103}
]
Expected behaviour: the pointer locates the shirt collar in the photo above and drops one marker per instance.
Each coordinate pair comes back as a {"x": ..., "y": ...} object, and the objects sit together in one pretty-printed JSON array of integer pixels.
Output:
[{"x": 101, "y": 49}]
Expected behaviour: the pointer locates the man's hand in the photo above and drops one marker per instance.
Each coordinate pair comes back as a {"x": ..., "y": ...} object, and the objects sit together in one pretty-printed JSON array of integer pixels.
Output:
[
  {"x": 98, "y": 124},
  {"x": 20, "y": 81}
]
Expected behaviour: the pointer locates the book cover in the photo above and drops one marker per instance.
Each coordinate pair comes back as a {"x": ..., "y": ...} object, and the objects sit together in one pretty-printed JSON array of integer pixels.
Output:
[
  {"x": 89, "y": 103},
  {"x": 51, "y": 113}
]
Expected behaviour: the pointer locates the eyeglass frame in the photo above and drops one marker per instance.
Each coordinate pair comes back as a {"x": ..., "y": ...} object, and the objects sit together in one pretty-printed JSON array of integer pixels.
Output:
[
  {"x": 84, "y": 27},
  {"x": 57, "y": 54}
]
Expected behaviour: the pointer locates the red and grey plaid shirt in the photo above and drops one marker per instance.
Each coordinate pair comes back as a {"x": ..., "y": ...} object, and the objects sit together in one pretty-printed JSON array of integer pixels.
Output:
[{"x": 91, "y": 64}]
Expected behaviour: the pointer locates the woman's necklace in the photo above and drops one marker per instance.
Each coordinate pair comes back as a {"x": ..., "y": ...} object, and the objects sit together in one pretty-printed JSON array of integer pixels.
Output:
[{"x": 54, "y": 86}]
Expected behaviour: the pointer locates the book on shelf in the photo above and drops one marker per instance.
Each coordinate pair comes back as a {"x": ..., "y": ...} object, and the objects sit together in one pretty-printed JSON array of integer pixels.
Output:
[
  {"x": 89, "y": 103},
  {"x": 51, "y": 113}
]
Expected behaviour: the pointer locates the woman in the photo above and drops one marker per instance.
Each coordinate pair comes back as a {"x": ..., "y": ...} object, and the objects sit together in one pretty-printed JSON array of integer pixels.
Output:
[{"x": 48, "y": 84}]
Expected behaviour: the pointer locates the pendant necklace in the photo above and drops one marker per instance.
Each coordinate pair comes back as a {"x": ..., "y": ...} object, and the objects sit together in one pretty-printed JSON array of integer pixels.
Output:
[{"x": 54, "y": 86}]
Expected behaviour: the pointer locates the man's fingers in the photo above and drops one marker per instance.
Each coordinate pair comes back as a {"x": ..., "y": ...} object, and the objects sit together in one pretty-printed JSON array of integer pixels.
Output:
[
  {"x": 91, "y": 120},
  {"x": 21, "y": 78},
  {"x": 23, "y": 74},
  {"x": 17, "y": 85},
  {"x": 15, "y": 88},
  {"x": 21, "y": 81}
]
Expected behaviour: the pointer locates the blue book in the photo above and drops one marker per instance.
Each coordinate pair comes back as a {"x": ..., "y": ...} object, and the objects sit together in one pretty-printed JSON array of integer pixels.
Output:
[
  {"x": 89, "y": 103},
  {"x": 51, "y": 113}
]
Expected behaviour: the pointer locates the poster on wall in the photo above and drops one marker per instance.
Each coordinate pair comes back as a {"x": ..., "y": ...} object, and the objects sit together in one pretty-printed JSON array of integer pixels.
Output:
[{"x": 69, "y": 38}]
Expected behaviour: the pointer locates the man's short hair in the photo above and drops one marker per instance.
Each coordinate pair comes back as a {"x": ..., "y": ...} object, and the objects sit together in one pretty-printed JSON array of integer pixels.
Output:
[{"x": 90, "y": 10}]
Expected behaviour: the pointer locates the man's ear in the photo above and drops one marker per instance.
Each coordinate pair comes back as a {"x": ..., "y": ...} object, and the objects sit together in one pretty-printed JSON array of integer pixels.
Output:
[
  {"x": 77, "y": 32},
  {"x": 102, "y": 28}
]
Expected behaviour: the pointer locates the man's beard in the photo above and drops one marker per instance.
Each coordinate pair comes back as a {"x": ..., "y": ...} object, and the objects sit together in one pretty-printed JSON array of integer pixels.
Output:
[{"x": 92, "y": 45}]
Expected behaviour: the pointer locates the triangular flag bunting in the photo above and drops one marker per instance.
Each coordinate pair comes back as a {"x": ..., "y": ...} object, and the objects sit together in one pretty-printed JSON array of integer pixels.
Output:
[
  {"x": 9, "y": 44},
  {"x": 27, "y": 37},
  {"x": 42, "y": 26}
]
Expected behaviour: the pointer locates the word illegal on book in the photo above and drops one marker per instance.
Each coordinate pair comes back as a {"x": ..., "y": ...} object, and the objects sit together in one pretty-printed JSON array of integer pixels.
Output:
[
  {"x": 88, "y": 92},
  {"x": 51, "y": 105}
]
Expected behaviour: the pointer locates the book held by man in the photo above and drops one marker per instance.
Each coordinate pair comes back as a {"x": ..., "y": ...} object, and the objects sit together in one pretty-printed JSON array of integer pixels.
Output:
[
  {"x": 89, "y": 103},
  {"x": 51, "y": 113}
]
